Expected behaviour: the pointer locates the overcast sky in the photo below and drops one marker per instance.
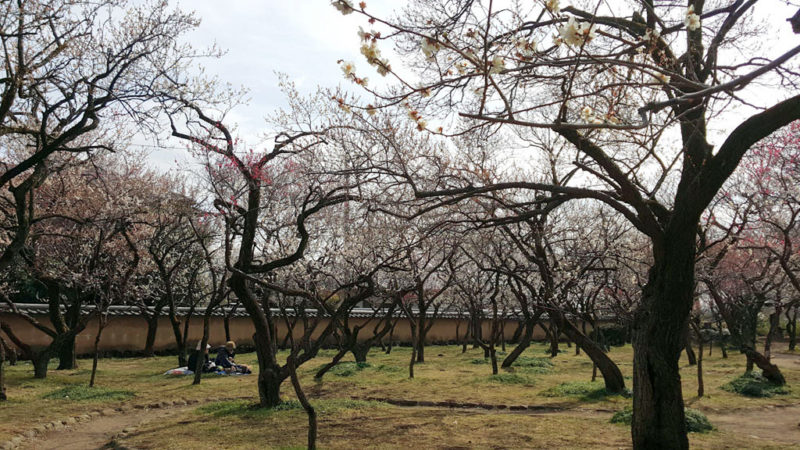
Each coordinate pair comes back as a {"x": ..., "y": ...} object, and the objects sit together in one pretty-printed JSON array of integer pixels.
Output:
[
  {"x": 301, "y": 38},
  {"x": 305, "y": 38}
]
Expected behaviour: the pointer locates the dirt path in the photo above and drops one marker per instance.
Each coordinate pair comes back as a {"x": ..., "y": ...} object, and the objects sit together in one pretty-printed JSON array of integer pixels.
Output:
[
  {"x": 775, "y": 424},
  {"x": 786, "y": 360},
  {"x": 99, "y": 432}
]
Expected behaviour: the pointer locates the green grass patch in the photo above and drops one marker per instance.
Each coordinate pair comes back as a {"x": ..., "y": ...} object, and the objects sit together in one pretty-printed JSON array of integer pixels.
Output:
[
  {"x": 249, "y": 410},
  {"x": 510, "y": 378},
  {"x": 348, "y": 368},
  {"x": 534, "y": 364},
  {"x": 584, "y": 390},
  {"x": 752, "y": 384},
  {"x": 696, "y": 422},
  {"x": 387, "y": 368},
  {"x": 480, "y": 361},
  {"x": 85, "y": 393}
]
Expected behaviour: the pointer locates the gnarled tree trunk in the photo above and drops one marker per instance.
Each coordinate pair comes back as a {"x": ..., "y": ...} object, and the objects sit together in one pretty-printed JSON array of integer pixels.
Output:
[
  {"x": 659, "y": 336},
  {"x": 3, "y": 396},
  {"x": 770, "y": 371},
  {"x": 523, "y": 343},
  {"x": 67, "y": 359},
  {"x": 791, "y": 327},
  {"x": 152, "y": 329},
  {"x": 614, "y": 381}
]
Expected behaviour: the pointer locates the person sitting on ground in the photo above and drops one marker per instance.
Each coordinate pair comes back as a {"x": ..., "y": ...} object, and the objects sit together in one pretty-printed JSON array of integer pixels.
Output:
[
  {"x": 225, "y": 360},
  {"x": 207, "y": 366}
]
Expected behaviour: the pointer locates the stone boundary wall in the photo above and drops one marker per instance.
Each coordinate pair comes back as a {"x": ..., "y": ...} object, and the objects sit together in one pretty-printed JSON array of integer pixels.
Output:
[{"x": 128, "y": 333}]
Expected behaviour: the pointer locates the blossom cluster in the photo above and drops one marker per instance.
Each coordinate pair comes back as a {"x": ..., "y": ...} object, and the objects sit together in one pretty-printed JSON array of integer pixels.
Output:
[
  {"x": 692, "y": 20},
  {"x": 588, "y": 115},
  {"x": 429, "y": 47},
  {"x": 369, "y": 48},
  {"x": 525, "y": 49},
  {"x": 497, "y": 65},
  {"x": 349, "y": 71},
  {"x": 343, "y": 6},
  {"x": 417, "y": 118},
  {"x": 575, "y": 33}
]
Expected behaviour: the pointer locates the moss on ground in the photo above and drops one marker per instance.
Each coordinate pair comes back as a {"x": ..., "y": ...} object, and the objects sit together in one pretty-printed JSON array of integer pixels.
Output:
[{"x": 751, "y": 384}]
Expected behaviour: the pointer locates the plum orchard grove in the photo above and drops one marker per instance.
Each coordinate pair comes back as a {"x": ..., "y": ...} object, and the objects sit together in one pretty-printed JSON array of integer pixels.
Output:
[{"x": 598, "y": 174}]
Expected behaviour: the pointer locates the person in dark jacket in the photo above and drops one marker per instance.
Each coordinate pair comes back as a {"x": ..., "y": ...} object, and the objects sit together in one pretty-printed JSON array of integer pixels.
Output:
[
  {"x": 207, "y": 366},
  {"x": 225, "y": 359}
]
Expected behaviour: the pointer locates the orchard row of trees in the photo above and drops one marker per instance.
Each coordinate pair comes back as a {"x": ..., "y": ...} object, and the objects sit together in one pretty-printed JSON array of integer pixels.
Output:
[{"x": 532, "y": 161}]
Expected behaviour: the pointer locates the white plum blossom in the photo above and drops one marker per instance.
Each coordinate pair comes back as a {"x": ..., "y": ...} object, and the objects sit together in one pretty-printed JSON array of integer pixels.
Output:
[
  {"x": 587, "y": 113},
  {"x": 692, "y": 21},
  {"x": 462, "y": 67},
  {"x": 373, "y": 55},
  {"x": 576, "y": 33},
  {"x": 651, "y": 34},
  {"x": 370, "y": 51},
  {"x": 365, "y": 35},
  {"x": 414, "y": 115},
  {"x": 526, "y": 48},
  {"x": 344, "y": 6},
  {"x": 429, "y": 47},
  {"x": 588, "y": 116},
  {"x": 384, "y": 67},
  {"x": 498, "y": 65},
  {"x": 552, "y": 6},
  {"x": 348, "y": 68}
]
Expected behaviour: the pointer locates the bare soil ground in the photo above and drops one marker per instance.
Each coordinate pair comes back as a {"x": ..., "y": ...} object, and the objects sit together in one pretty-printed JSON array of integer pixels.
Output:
[
  {"x": 100, "y": 432},
  {"x": 775, "y": 424}
]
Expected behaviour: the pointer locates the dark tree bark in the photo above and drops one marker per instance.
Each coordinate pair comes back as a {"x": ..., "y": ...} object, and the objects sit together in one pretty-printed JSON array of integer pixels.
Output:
[
  {"x": 791, "y": 327},
  {"x": 226, "y": 323},
  {"x": 413, "y": 355},
  {"x": 391, "y": 337},
  {"x": 101, "y": 325},
  {"x": 694, "y": 322},
  {"x": 553, "y": 333},
  {"x": 422, "y": 325},
  {"x": 770, "y": 371},
  {"x": 301, "y": 396},
  {"x": 40, "y": 359},
  {"x": 198, "y": 368},
  {"x": 523, "y": 343},
  {"x": 691, "y": 356},
  {"x": 67, "y": 359},
  {"x": 659, "y": 336},
  {"x": 152, "y": 329},
  {"x": 180, "y": 343},
  {"x": 324, "y": 369},
  {"x": 3, "y": 396},
  {"x": 503, "y": 335},
  {"x": 614, "y": 381},
  {"x": 39, "y": 356},
  {"x": 465, "y": 340},
  {"x": 774, "y": 326},
  {"x": 11, "y": 352},
  {"x": 518, "y": 332}
]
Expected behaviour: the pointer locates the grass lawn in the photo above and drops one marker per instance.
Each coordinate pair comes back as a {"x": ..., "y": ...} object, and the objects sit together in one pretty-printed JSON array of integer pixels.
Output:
[{"x": 579, "y": 418}]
